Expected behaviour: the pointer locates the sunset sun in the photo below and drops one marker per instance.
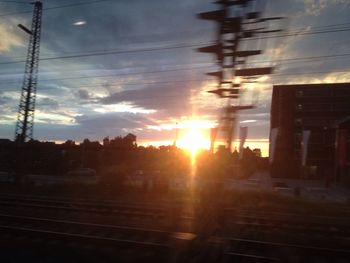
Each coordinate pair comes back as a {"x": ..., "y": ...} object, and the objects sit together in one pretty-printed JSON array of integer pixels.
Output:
[{"x": 193, "y": 139}]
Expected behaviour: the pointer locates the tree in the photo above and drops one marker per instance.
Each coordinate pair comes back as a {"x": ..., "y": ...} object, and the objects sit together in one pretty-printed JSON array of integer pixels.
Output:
[
  {"x": 69, "y": 143},
  {"x": 257, "y": 152}
]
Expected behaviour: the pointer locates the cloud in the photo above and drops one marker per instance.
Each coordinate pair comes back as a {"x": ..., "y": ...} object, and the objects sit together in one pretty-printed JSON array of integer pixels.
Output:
[
  {"x": 169, "y": 99},
  {"x": 111, "y": 124},
  {"x": 84, "y": 94},
  {"x": 315, "y": 7},
  {"x": 47, "y": 103},
  {"x": 5, "y": 99},
  {"x": 9, "y": 38}
]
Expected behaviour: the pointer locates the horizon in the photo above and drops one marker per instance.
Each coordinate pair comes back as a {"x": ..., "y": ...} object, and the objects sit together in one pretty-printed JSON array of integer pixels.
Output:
[{"x": 264, "y": 145}]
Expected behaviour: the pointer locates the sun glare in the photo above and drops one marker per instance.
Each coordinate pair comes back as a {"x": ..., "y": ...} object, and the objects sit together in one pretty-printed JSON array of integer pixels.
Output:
[{"x": 193, "y": 139}]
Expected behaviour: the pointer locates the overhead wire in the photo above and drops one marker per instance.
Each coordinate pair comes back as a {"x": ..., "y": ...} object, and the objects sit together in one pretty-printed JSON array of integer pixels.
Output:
[
  {"x": 291, "y": 33},
  {"x": 135, "y": 51},
  {"x": 15, "y": 2},
  {"x": 93, "y": 54},
  {"x": 99, "y": 76},
  {"x": 311, "y": 58},
  {"x": 111, "y": 75},
  {"x": 294, "y": 31},
  {"x": 53, "y": 7},
  {"x": 210, "y": 65},
  {"x": 111, "y": 53},
  {"x": 196, "y": 80}
]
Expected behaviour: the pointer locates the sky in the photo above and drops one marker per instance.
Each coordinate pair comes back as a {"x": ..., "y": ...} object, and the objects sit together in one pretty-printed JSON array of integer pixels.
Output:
[{"x": 109, "y": 68}]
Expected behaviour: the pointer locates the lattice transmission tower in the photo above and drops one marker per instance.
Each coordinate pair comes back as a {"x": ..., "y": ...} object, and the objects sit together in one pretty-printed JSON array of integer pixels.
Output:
[{"x": 25, "y": 118}]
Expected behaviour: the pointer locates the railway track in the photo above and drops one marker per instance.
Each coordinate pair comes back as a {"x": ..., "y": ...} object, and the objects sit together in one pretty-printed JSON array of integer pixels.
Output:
[
  {"x": 336, "y": 227},
  {"x": 103, "y": 205},
  {"x": 264, "y": 251},
  {"x": 308, "y": 227},
  {"x": 97, "y": 207},
  {"x": 108, "y": 240},
  {"x": 258, "y": 237},
  {"x": 71, "y": 207},
  {"x": 114, "y": 241}
]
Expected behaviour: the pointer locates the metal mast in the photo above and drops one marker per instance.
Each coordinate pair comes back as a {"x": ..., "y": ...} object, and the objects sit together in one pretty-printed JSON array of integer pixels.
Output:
[{"x": 25, "y": 118}]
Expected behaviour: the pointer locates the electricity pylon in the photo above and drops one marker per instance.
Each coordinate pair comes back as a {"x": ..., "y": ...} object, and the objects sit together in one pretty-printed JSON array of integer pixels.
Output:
[{"x": 25, "y": 118}]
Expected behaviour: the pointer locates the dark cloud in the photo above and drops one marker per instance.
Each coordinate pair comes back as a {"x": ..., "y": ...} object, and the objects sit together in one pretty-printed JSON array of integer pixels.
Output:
[
  {"x": 47, "y": 103},
  {"x": 5, "y": 99},
  {"x": 84, "y": 94},
  {"x": 111, "y": 124},
  {"x": 173, "y": 100}
]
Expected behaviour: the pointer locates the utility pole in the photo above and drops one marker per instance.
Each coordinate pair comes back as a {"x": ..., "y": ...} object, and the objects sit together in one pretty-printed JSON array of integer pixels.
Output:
[
  {"x": 25, "y": 118},
  {"x": 237, "y": 21},
  {"x": 233, "y": 75}
]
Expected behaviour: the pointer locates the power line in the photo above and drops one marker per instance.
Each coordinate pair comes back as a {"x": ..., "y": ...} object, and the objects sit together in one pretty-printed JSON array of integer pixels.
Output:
[
  {"x": 331, "y": 25},
  {"x": 291, "y": 33},
  {"x": 112, "y": 53},
  {"x": 184, "y": 66},
  {"x": 76, "y": 4},
  {"x": 141, "y": 83},
  {"x": 314, "y": 57},
  {"x": 98, "y": 53},
  {"x": 182, "y": 69},
  {"x": 304, "y": 33},
  {"x": 52, "y": 8},
  {"x": 145, "y": 50},
  {"x": 162, "y": 48},
  {"x": 302, "y": 29},
  {"x": 310, "y": 73},
  {"x": 117, "y": 75},
  {"x": 15, "y": 2},
  {"x": 192, "y": 80},
  {"x": 210, "y": 65},
  {"x": 210, "y": 79},
  {"x": 302, "y": 59},
  {"x": 145, "y": 72}
]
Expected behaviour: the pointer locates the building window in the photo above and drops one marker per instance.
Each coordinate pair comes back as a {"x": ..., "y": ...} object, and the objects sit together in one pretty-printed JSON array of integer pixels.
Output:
[
  {"x": 297, "y": 140},
  {"x": 299, "y": 93},
  {"x": 298, "y": 122},
  {"x": 297, "y": 137},
  {"x": 299, "y": 107}
]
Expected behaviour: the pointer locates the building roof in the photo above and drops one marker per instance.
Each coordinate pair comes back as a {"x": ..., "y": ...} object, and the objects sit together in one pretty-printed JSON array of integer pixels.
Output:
[{"x": 313, "y": 84}]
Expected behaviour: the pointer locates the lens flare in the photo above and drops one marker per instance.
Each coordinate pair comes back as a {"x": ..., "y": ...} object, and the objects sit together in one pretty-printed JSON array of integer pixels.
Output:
[{"x": 193, "y": 140}]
